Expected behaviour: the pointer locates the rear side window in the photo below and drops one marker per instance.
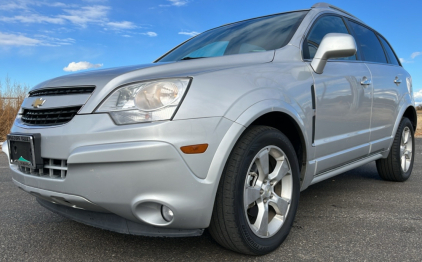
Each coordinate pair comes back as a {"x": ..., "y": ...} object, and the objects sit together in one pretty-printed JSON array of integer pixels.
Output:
[
  {"x": 391, "y": 56},
  {"x": 324, "y": 25},
  {"x": 369, "y": 44}
]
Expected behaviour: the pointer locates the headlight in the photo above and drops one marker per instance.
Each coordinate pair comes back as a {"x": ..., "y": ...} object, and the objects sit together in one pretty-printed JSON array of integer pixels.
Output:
[{"x": 145, "y": 101}]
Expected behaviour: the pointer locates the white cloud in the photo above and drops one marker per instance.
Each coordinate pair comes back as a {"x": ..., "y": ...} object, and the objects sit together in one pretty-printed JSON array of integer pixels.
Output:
[
  {"x": 72, "y": 67},
  {"x": 80, "y": 16},
  {"x": 33, "y": 18},
  {"x": 175, "y": 3},
  {"x": 121, "y": 25},
  {"x": 178, "y": 2},
  {"x": 53, "y": 41},
  {"x": 18, "y": 40},
  {"x": 415, "y": 54},
  {"x": 54, "y": 4},
  {"x": 87, "y": 14},
  {"x": 150, "y": 34},
  {"x": 126, "y": 35},
  {"x": 418, "y": 94},
  {"x": 95, "y": 1},
  {"x": 7, "y": 39},
  {"x": 412, "y": 56},
  {"x": 193, "y": 33},
  {"x": 404, "y": 61},
  {"x": 12, "y": 6},
  {"x": 28, "y": 12}
]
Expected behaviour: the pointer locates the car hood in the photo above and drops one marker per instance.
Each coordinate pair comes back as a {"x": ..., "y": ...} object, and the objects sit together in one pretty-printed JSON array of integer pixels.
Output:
[
  {"x": 107, "y": 80},
  {"x": 101, "y": 78}
]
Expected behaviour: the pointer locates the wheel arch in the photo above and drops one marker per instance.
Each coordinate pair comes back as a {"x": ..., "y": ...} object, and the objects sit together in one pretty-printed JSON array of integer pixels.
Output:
[
  {"x": 407, "y": 109},
  {"x": 263, "y": 113},
  {"x": 285, "y": 118},
  {"x": 283, "y": 122},
  {"x": 411, "y": 113}
]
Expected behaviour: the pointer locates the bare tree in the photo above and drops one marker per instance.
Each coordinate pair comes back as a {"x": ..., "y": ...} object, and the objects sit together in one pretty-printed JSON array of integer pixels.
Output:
[{"x": 11, "y": 98}]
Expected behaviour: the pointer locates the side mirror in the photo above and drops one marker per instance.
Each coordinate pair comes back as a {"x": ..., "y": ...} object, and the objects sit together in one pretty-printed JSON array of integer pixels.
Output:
[{"x": 333, "y": 45}]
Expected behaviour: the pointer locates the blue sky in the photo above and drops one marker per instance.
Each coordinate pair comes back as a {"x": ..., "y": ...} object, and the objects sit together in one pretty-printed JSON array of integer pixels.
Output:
[{"x": 42, "y": 39}]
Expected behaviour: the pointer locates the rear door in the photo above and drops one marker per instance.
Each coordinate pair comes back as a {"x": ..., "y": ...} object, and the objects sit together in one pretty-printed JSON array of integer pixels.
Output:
[
  {"x": 343, "y": 104},
  {"x": 388, "y": 78}
]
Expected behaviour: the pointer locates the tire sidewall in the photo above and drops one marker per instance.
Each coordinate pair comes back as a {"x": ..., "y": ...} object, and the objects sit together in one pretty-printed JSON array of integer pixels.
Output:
[
  {"x": 267, "y": 138},
  {"x": 405, "y": 123}
]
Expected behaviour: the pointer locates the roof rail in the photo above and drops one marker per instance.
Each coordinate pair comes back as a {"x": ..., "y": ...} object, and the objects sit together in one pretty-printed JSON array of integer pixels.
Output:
[{"x": 325, "y": 5}]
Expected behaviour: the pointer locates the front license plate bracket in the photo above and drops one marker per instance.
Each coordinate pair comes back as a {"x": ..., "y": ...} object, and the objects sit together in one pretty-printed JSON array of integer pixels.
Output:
[{"x": 25, "y": 150}]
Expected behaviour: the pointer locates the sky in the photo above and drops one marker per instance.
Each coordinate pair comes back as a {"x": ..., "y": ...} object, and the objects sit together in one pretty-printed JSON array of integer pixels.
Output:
[{"x": 42, "y": 39}]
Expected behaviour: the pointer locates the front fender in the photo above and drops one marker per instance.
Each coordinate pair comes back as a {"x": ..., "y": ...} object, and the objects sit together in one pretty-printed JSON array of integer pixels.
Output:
[
  {"x": 243, "y": 121},
  {"x": 299, "y": 117}
]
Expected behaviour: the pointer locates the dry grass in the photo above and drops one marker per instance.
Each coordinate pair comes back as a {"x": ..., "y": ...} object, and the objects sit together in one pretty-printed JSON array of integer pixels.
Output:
[
  {"x": 419, "y": 128},
  {"x": 11, "y": 96}
]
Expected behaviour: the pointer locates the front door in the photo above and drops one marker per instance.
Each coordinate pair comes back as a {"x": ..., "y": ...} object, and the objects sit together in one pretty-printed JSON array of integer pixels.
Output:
[
  {"x": 343, "y": 101},
  {"x": 343, "y": 114}
]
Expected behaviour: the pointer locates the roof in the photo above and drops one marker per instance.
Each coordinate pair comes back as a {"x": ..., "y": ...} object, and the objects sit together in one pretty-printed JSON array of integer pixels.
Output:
[{"x": 326, "y": 5}]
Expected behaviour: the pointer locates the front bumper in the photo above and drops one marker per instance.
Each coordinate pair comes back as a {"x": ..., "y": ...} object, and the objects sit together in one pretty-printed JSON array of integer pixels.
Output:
[
  {"x": 131, "y": 170},
  {"x": 115, "y": 223}
]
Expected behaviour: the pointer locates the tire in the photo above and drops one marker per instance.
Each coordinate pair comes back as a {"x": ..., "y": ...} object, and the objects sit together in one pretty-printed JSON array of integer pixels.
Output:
[
  {"x": 240, "y": 226},
  {"x": 399, "y": 163}
]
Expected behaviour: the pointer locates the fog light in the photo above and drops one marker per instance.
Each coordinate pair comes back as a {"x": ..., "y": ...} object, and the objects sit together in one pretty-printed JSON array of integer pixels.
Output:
[{"x": 167, "y": 213}]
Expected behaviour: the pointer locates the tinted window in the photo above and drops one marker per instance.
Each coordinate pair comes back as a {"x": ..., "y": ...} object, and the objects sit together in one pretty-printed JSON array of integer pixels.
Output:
[
  {"x": 391, "y": 56},
  {"x": 323, "y": 26},
  {"x": 369, "y": 44},
  {"x": 248, "y": 48},
  {"x": 254, "y": 35},
  {"x": 216, "y": 49}
]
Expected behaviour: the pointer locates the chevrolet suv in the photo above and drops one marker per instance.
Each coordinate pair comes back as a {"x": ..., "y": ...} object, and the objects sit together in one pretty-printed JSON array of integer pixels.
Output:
[{"x": 222, "y": 132}]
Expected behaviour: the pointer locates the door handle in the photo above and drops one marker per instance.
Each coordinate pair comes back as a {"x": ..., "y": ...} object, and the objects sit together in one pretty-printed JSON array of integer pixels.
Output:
[
  {"x": 365, "y": 81},
  {"x": 397, "y": 80}
]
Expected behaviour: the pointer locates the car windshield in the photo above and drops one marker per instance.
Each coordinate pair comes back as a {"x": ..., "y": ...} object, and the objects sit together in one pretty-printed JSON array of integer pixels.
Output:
[{"x": 254, "y": 35}]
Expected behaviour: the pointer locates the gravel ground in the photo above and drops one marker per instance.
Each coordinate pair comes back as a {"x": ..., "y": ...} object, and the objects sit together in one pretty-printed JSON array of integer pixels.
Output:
[{"x": 354, "y": 216}]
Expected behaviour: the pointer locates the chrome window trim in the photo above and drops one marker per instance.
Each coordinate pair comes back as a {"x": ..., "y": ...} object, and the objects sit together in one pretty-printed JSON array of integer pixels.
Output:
[
  {"x": 347, "y": 17},
  {"x": 353, "y": 61},
  {"x": 316, "y": 17}
]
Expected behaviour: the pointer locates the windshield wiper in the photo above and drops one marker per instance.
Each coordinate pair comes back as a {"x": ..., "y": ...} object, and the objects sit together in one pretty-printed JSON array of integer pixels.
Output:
[{"x": 190, "y": 58}]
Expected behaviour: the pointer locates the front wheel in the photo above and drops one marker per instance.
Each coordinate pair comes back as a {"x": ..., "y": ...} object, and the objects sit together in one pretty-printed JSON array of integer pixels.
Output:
[
  {"x": 399, "y": 163},
  {"x": 258, "y": 193}
]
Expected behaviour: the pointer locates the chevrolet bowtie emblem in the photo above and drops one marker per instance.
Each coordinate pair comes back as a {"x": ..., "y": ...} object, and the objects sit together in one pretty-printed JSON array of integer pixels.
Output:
[{"x": 39, "y": 102}]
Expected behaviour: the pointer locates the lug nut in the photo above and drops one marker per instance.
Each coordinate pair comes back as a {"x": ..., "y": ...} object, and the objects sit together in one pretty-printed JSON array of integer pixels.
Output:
[
  {"x": 261, "y": 191},
  {"x": 265, "y": 201}
]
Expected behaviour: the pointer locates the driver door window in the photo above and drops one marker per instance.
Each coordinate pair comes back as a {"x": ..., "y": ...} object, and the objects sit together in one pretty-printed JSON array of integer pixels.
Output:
[{"x": 324, "y": 25}]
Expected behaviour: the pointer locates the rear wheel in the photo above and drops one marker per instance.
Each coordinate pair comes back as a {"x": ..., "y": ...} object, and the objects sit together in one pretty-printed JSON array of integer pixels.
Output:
[
  {"x": 399, "y": 163},
  {"x": 258, "y": 193}
]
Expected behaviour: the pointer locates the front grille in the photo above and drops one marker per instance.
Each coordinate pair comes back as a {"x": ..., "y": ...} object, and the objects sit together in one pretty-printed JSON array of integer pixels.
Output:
[
  {"x": 62, "y": 91},
  {"x": 53, "y": 168},
  {"x": 49, "y": 117}
]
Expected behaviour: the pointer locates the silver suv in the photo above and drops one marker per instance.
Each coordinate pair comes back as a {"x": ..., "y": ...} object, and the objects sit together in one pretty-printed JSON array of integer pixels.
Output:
[{"x": 222, "y": 132}]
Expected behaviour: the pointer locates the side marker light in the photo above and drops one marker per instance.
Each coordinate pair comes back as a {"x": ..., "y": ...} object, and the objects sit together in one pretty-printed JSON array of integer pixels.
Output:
[{"x": 194, "y": 149}]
